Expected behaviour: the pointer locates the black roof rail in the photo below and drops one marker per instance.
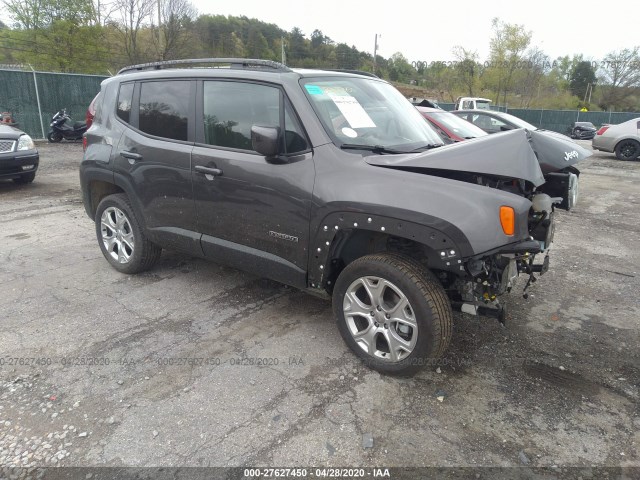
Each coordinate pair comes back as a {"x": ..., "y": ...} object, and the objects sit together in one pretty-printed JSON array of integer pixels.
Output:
[
  {"x": 357, "y": 72},
  {"x": 233, "y": 63}
]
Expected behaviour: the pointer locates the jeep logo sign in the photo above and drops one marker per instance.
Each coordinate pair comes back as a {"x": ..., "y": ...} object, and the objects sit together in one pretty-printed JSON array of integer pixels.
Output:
[
  {"x": 569, "y": 155},
  {"x": 283, "y": 236}
]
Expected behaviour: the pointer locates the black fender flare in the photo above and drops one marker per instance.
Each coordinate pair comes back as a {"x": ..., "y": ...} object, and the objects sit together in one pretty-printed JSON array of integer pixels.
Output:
[
  {"x": 129, "y": 190},
  {"x": 452, "y": 246}
]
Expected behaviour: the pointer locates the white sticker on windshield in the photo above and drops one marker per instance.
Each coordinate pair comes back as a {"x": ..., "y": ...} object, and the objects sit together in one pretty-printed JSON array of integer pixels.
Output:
[
  {"x": 349, "y": 132},
  {"x": 352, "y": 111}
]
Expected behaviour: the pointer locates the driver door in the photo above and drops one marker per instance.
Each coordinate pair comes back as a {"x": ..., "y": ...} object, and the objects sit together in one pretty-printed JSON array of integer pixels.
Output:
[{"x": 253, "y": 213}]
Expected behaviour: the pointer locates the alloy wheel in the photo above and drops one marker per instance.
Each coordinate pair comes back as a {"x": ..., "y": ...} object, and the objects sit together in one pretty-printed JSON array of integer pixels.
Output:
[
  {"x": 117, "y": 235},
  {"x": 380, "y": 318}
]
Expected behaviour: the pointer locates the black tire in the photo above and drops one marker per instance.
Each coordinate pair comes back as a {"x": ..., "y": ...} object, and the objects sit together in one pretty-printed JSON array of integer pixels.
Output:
[
  {"x": 427, "y": 300},
  {"x": 54, "y": 137},
  {"x": 627, "y": 149},
  {"x": 144, "y": 253},
  {"x": 26, "y": 178}
]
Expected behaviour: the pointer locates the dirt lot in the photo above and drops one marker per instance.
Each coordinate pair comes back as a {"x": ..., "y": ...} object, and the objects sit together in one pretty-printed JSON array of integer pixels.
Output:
[{"x": 99, "y": 368}]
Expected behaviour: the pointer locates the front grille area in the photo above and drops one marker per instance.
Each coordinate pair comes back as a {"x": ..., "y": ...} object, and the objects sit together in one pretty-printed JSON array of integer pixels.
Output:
[{"x": 6, "y": 145}]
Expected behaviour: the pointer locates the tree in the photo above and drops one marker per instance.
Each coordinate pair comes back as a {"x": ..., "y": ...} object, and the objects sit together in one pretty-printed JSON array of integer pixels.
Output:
[
  {"x": 257, "y": 46},
  {"x": 467, "y": 68},
  {"x": 177, "y": 19},
  {"x": 582, "y": 75},
  {"x": 400, "y": 69},
  {"x": 619, "y": 78},
  {"x": 297, "y": 45},
  {"x": 507, "y": 46},
  {"x": 529, "y": 80},
  {"x": 133, "y": 15}
]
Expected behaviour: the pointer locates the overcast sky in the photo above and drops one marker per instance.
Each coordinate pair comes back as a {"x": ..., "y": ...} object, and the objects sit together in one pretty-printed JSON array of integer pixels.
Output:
[{"x": 427, "y": 31}]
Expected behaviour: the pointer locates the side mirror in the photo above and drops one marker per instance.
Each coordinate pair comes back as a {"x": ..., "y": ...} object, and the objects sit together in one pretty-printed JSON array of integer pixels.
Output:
[
  {"x": 505, "y": 128},
  {"x": 266, "y": 140}
]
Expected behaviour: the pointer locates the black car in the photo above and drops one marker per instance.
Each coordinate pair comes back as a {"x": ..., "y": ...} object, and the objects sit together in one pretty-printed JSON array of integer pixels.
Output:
[
  {"x": 583, "y": 131},
  {"x": 331, "y": 182},
  {"x": 19, "y": 158}
]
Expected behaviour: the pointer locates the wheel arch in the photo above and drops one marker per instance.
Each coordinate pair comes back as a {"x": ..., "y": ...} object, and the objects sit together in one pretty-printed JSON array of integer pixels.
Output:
[
  {"x": 343, "y": 237},
  {"x": 97, "y": 190},
  {"x": 624, "y": 139}
]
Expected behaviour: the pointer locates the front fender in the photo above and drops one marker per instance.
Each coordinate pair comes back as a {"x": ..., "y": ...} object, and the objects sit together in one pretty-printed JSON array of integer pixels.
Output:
[{"x": 447, "y": 241}]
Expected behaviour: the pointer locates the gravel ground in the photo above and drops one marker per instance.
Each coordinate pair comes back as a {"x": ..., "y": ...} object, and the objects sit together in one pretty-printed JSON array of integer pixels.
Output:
[{"x": 197, "y": 364}]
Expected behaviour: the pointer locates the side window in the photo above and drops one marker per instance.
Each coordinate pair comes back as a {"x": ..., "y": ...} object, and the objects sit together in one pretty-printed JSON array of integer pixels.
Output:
[
  {"x": 125, "y": 95},
  {"x": 164, "y": 108},
  {"x": 232, "y": 108}
]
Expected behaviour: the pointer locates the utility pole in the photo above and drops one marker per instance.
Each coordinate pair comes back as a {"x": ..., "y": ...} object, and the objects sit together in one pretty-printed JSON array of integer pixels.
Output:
[
  {"x": 159, "y": 33},
  {"x": 586, "y": 92},
  {"x": 282, "y": 52},
  {"x": 375, "y": 53}
]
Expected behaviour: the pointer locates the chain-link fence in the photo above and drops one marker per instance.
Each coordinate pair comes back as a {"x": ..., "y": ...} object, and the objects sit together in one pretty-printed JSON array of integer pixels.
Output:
[{"x": 33, "y": 98}]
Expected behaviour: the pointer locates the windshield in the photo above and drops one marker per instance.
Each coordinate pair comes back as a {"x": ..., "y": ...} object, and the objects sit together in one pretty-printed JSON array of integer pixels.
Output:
[
  {"x": 457, "y": 125},
  {"x": 368, "y": 112}
]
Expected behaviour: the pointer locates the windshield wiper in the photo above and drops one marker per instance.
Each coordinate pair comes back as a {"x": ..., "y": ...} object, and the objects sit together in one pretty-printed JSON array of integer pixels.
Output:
[
  {"x": 380, "y": 149},
  {"x": 428, "y": 146}
]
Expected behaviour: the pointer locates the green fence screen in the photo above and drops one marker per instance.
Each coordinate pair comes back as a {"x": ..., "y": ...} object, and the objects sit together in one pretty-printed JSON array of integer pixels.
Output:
[
  {"x": 74, "y": 92},
  {"x": 56, "y": 91}
]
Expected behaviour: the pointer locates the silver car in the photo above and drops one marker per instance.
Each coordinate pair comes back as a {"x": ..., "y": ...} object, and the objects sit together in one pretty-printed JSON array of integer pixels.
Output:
[{"x": 622, "y": 139}]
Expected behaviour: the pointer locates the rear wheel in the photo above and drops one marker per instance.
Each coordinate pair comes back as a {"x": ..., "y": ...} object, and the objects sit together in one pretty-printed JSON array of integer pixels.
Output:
[
  {"x": 121, "y": 238},
  {"x": 627, "y": 150},
  {"x": 26, "y": 178},
  {"x": 54, "y": 137},
  {"x": 392, "y": 312}
]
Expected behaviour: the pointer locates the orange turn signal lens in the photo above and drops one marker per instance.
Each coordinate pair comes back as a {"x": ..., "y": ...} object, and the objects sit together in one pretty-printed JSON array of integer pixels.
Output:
[{"x": 508, "y": 220}]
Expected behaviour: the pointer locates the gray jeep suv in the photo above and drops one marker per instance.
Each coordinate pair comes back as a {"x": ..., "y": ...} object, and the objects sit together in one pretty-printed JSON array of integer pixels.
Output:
[{"x": 328, "y": 181}]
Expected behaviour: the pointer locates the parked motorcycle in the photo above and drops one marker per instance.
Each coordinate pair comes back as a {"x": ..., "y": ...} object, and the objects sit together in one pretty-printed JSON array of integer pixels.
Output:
[{"x": 61, "y": 127}]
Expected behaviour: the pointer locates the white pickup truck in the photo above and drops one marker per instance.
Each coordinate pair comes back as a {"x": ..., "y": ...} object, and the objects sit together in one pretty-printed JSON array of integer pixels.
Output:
[{"x": 472, "y": 103}]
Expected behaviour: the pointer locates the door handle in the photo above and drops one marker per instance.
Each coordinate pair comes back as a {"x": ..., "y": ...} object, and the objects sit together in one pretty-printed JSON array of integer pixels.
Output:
[
  {"x": 131, "y": 156},
  {"x": 216, "y": 172}
]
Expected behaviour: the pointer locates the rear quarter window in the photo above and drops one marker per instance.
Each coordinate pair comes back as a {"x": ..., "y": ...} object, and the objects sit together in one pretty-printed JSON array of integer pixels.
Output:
[{"x": 125, "y": 98}]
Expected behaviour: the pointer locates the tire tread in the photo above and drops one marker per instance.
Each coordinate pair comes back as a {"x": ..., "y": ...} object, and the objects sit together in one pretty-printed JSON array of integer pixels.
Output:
[{"x": 430, "y": 289}]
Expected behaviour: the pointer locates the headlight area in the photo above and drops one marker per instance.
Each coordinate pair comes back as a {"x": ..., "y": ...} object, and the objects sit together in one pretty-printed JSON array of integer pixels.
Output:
[
  {"x": 25, "y": 142},
  {"x": 494, "y": 273}
]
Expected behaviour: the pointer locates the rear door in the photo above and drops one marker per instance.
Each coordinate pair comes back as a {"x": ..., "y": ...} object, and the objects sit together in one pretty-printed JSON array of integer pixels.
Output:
[
  {"x": 253, "y": 213},
  {"x": 153, "y": 161}
]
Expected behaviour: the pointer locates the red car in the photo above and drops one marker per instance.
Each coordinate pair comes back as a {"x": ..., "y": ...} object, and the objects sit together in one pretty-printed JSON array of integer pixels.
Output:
[
  {"x": 451, "y": 128},
  {"x": 91, "y": 111}
]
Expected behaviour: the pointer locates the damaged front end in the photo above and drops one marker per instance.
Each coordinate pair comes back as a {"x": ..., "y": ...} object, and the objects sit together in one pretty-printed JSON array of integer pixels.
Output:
[
  {"x": 536, "y": 166},
  {"x": 493, "y": 274}
]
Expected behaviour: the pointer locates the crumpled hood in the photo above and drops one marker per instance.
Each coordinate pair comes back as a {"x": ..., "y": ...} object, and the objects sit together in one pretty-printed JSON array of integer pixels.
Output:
[
  {"x": 520, "y": 154},
  {"x": 556, "y": 151}
]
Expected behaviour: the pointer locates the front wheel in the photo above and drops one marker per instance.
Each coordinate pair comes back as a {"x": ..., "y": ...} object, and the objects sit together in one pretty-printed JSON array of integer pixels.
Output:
[
  {"x": 121, "y": 237},
  {"x": 54, "y": 136},
  {"x": 627, "y": 150},
  {"x": 392, "y": 312}
]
